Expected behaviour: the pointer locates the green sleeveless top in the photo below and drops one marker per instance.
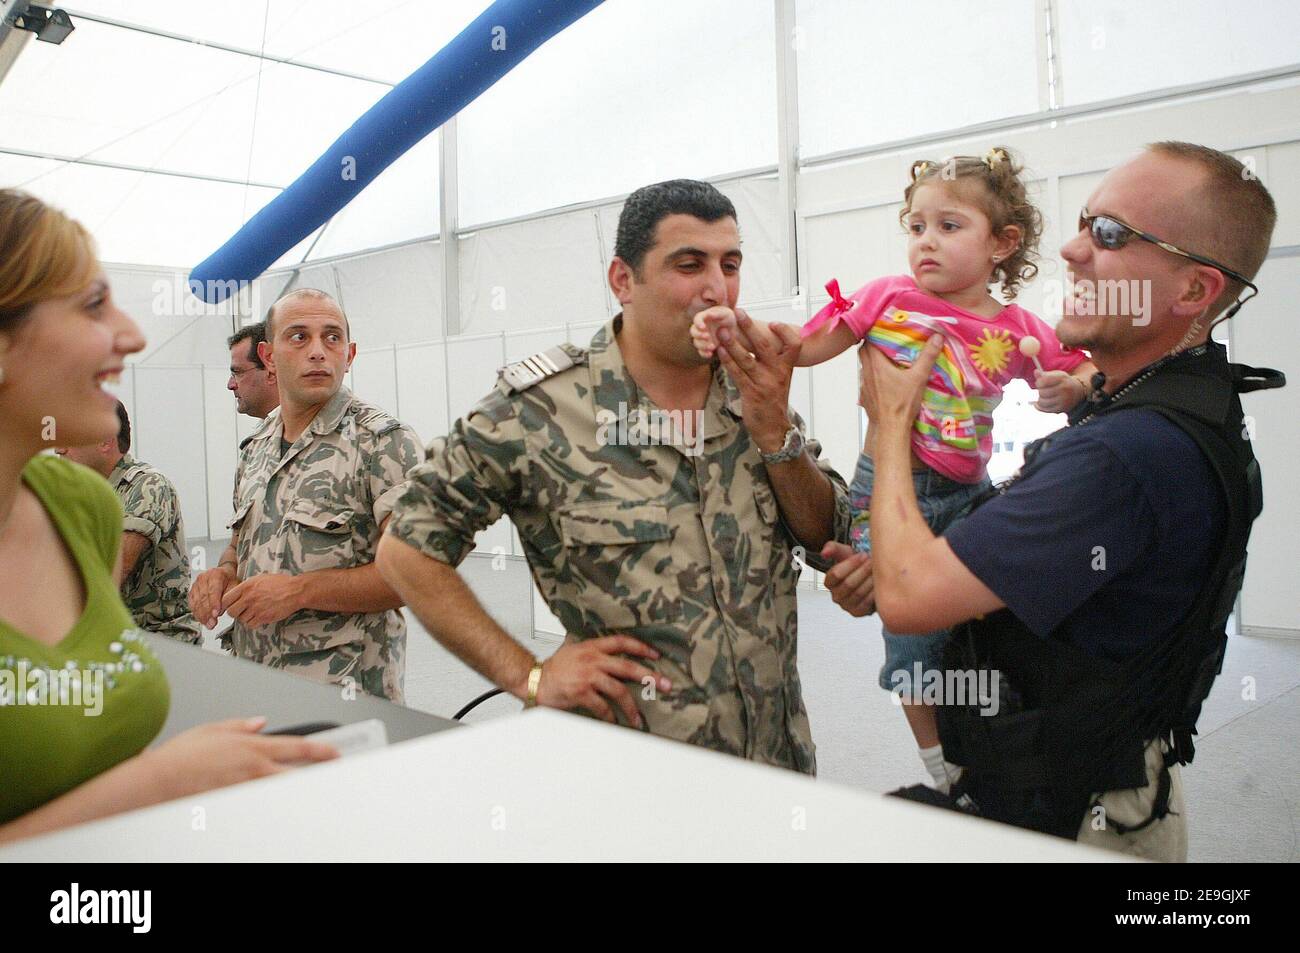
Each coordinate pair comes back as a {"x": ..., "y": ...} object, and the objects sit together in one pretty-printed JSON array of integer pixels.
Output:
[{"x": 71, "y": 711}]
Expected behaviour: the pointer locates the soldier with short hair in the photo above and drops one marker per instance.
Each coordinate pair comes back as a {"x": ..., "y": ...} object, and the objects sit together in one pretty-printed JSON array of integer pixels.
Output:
[
  {"x": 154, "y": 570},
  {"x": 659, "y": 497},
  {"x": 251, "y": 381},
  {"x": 313, "y": 491}
]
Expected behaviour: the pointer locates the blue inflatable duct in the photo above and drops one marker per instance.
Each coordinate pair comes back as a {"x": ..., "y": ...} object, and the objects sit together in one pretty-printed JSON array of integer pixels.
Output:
[{"x": 498, "y": 40}]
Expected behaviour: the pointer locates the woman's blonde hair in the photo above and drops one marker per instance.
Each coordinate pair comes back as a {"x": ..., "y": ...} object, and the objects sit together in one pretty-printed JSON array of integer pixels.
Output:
[
  {"x": 43, "y": 254},
  {"x": 1001, "y": 194}
]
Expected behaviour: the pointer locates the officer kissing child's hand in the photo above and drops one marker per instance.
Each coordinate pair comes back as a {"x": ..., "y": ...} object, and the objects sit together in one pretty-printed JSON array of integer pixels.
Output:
[{"x": 714, "y": 326}]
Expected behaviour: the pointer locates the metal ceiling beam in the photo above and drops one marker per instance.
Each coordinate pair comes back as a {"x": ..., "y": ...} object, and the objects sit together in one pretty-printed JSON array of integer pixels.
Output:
[
  {"x": 127, "y": 167},
  {"x": 225, "y": 47}
]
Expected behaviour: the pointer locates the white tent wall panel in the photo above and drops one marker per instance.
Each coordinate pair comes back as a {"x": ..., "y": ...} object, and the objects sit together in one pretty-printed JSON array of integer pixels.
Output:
[
  {"x": 321, "y": 277},
  {"x": 221, "y": 450},
  {"x": 169, "y": 423},
  {"x": 853, "y": 247},
  {"x": 1245, "y": 120},
  {"x": 858, "y": 85},
  {"x": 531, "y": 274},
  {"x": 758, "y": 213},
  {"x": 1110, "y": 48},
  {"x": 421, "y": 378},
  {"x": 393, "y": 296},
  {"x": 178, "y": 328},
  {"x": 472, "y": 364},
  {"x": 834, "y": 420},
  {"x": 520, "y": 346},
  {"x": 471, "y": 373},
  {"x": 1265, "y": 333},
  {"x": 1283, "y": 180},
  {"x": 374, "y": 379}
]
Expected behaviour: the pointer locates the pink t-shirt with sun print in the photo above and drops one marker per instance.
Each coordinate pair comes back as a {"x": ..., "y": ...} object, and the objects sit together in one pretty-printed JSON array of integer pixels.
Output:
[{"x": 953, "y": 433}]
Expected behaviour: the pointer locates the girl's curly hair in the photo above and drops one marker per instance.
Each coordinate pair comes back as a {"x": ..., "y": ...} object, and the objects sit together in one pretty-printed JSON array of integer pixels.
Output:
[{"x": 1001, "y": 195}]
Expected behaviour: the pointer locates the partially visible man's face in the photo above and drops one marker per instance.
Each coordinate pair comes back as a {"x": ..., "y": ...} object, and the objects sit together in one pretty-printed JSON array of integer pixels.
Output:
[
  {"x": 1146, "y": 193},
  {"x": 254, "y": 387},
  {"x": 310, "y": 352},
  {"x": 692, "y": 265},
  {"x": 94, "y": 456}
]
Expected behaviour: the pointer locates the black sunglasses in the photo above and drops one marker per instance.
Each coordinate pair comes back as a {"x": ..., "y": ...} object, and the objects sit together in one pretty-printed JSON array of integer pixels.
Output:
[{"x": 1110, "y": 233}]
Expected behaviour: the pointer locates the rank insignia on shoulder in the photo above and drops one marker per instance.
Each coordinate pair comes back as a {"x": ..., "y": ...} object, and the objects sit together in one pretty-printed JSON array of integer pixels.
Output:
[{"x": 524, "y": 374}]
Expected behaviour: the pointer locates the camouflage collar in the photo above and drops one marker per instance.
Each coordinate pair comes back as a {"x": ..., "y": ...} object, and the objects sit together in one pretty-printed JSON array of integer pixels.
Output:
[
  {"x": 329, "y": 417},
  {"x": 605, "y": 339},
  {"x": 326, "y": 421},
  {"x": 267, "y": 426},
  {"x": 612, "y": 385},
  {"x": 121, "y": 469}
]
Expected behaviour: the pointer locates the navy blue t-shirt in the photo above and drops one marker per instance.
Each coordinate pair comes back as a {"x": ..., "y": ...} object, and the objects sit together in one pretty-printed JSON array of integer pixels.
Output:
[{"x": 1107, "y": 543}]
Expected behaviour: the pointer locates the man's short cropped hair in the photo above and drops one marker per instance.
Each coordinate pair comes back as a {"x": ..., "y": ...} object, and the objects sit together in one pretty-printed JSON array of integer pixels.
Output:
[
  {"x": 123, "y": 429},
  {"x": 255, "y": 334},
  {"x": 314, "y": 294},
  {"x": 648, "y": 205},
  {"x": 1232, "y": 217}
]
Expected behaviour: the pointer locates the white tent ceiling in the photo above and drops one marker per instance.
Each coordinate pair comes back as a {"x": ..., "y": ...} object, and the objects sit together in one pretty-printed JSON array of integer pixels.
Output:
[
  {"x": 164, "y": 147},
  {"x": 153, "y": 123}
]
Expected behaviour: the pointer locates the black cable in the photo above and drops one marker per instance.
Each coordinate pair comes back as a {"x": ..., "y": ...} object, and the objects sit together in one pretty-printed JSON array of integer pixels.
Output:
[{"x": 475, "y": 703}]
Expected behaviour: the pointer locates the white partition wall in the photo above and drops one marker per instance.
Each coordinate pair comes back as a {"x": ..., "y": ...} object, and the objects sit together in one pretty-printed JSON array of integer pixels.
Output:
[
  {"x": 374, "y": 374},
  {"x": 1266, "y": 333},
  {"x": 395, "y": 295},
  {"x": 421, "y": 377},
  {"x": 169, "y": 422},
  {"x": 222, "y": 450},
  {"x": 472, "y": 363},
  {"x": 509, "y": 275},
  {"x": 471, "y": 374}
]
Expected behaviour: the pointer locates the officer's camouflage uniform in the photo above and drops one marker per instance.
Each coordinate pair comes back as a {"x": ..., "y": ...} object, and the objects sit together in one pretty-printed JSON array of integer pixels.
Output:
[
  {"x": 158, "y": 589},
  {"x": 320, "y": 507},
  {"x": 683, "y": 550}
]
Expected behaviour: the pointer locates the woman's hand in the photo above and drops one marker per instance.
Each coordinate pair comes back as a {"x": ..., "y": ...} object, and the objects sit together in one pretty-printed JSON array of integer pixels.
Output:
[{"x": 222, "y": 753}]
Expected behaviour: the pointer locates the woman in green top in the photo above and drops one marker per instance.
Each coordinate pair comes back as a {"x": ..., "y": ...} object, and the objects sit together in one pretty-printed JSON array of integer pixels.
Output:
[{"x": 81, "y": 697}]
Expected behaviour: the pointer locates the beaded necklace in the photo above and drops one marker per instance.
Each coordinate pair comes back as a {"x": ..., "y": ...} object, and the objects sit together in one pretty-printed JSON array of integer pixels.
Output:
[
  {"x": 125, "y": 647},
  {"x": 1099, "y": 398}
]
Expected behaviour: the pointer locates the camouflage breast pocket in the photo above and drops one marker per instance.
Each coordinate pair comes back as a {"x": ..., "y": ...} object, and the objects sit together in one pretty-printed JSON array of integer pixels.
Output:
[
  {"x": 617, "y": 569},
  {"x": 318, "y": 537}
]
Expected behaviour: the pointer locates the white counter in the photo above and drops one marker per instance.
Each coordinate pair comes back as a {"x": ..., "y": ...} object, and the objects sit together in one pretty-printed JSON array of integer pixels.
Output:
[{"x": 543, "y": 786}]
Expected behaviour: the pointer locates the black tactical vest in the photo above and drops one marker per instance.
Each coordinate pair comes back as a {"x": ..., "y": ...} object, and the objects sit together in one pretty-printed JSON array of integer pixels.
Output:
[{"x": 1070, "y": 726}]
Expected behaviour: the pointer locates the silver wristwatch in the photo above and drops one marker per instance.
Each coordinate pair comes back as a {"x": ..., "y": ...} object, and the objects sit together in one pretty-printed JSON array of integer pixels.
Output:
[{"x": 790, "y": 450}]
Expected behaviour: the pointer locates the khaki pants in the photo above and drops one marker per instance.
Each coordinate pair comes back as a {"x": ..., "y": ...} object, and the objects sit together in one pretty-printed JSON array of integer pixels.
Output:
[{"x": 1165, "y": 839}]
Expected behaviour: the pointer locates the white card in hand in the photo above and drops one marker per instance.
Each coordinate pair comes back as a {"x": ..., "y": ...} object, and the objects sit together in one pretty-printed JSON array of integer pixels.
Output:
[{"x": 351, "y": 739}]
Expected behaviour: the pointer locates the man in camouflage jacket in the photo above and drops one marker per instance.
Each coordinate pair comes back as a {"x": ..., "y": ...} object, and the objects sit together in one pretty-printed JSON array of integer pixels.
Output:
[
  {"x": 313, "y": 491},
  {"x": 659, "y": 498},
  {"x": 154, "y": 573}
]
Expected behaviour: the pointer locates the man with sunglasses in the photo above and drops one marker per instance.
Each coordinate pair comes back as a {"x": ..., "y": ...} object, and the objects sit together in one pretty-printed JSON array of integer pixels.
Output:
[{"x": 1097, "y": 584}]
